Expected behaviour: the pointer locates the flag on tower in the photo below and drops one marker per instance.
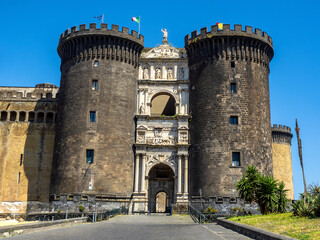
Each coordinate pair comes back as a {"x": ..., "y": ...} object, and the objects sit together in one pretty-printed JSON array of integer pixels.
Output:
[
  {"x": 136, "y": 19},
  {"x": 100, "y": 18},
  {"x": 220, "y": 26}
]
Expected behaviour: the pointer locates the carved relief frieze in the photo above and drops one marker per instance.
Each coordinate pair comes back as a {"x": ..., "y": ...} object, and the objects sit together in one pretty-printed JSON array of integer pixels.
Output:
[{"x": 156, "y": 158}]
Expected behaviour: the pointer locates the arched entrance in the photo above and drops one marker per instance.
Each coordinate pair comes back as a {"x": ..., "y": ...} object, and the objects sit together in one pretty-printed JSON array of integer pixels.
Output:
[{"x": 161, "y": 188}]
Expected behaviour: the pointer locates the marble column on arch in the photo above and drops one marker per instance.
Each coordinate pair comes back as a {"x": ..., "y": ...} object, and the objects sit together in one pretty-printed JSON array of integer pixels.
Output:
[
  {"x": 136, "y": 175},
  {"x": 185, "y": 174}
]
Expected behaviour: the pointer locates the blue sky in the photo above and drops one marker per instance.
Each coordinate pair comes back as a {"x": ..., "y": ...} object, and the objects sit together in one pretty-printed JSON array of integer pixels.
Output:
[{"x": 30, "y": 32}]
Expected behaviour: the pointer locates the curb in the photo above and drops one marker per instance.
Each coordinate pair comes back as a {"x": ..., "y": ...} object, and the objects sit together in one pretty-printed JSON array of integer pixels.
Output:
[
  {"x": 40, "y": 224},
  {"x": 250, "y": 231}
]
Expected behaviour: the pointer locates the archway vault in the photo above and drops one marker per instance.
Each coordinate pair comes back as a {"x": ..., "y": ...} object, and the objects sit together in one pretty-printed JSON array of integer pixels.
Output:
[
  {"x": 161, "y": 179},
  {"x": 163, "y": 103}
]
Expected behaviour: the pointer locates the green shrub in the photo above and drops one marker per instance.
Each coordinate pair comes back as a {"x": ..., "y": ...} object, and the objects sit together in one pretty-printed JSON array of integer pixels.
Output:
[
  {"x": 81, "y": 208},
  {"x": 264, "y": 190}
]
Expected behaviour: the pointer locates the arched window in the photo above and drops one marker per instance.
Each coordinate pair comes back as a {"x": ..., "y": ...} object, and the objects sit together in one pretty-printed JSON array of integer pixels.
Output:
[
  {"x": 40, "y": 117},
  {"x": 22, "y": 116},
  {"x": 4, "y": 116},
  {"x": 13, "y": 116},
  {"x": 163, "y": 104},
  {"x": 31, "y": 117},
  {"x": 49, "y": 117}
]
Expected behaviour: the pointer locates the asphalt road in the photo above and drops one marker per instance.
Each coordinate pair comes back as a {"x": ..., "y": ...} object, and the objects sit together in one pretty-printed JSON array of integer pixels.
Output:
[{"x": 136, "y": 227}]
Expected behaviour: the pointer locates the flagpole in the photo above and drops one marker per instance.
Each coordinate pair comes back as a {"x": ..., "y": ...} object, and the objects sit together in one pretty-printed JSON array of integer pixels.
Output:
[{"x": 139, "y": 25}]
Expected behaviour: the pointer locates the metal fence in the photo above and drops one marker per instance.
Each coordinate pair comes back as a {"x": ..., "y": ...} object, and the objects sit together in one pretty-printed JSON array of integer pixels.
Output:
[{"x": 92, "y": 216}]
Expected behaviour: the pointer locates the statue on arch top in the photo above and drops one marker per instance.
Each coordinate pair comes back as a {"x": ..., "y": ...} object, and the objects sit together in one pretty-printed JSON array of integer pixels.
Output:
[{"x": 165, "y": 36}]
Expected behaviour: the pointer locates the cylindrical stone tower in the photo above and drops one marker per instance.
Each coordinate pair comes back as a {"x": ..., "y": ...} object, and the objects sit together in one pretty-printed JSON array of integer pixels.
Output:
[
  {"x": 229, "y": 106},
  {"x": 281, "y": 156},
  {"x": 95, "y": 130}
]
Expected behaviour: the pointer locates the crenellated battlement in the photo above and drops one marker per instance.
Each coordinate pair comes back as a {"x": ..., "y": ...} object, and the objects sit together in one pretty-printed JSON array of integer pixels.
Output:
[
  {"x": 227, "y": 31},
  {"x": 42, "y": 92},
  {"x": 281, "y": 134},
  {"x": 103, "y": 30},
  {"x": 91, "y": 43},
  {"x": 282, "y": 128},
  {"x": 229, "y": 44}
]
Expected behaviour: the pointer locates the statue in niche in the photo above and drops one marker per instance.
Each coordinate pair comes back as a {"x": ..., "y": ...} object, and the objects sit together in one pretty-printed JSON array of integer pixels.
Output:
[
  {"x": 170, "y": 75},
  {"x": 182, "y": 73},
  {"x": 141, "y": 109},
  {"x": 158, "y": 73},
  {"x": 165, "y": 36},
  {"x": 145, "y": 73}
]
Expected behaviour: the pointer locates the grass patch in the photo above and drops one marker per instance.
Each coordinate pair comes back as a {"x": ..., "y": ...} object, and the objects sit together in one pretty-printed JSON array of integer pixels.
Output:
[{"x": 284, "y": 224}]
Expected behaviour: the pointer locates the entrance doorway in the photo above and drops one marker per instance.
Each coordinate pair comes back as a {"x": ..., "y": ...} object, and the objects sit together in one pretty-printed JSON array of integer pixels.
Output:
[
  {"x": 161, "y": 202},
  {"x": 161, "y": 188}
]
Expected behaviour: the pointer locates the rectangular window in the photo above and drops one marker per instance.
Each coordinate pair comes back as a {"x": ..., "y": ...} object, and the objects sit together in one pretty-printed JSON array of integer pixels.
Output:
[
  {"x": 235, "y": 159},
  {"x": 21, "y": 159},
  {"x": 233, "y": 88},
  {"x": 234, "y": 120},
  {"x": 92, "y": 116},
  {"x": 19, "y": 176},
  {"x": 90, "y": 156},
  {"x": 233, "y": 64},
  {"x": 95, "y": 85}
]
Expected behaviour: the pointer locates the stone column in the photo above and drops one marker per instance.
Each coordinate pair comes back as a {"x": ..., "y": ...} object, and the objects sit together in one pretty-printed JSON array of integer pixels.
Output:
[
  {"x": 138, "y": 102},
  {"x": 175, "y": 72},
  {"x": 185, "y": 174},
  {"x": 143, "y": 173},
  {"x": 179, "y": 174},
  {"x": 180, "y": 101},
  {"x": 136, "y": 175},
  {"x": 146, "y": 109},
  {"x": 152, "y": 72},
  {"x": 187, "y": 100},
  {"x": 164, "y": 72}
]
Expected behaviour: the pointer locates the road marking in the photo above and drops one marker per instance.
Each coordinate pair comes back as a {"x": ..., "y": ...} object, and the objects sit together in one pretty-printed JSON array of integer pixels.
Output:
[{"x": 213, "y": 232}]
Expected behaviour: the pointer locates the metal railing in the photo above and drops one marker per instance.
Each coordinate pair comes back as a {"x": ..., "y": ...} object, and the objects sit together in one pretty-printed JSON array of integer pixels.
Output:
[
  {"x": 92, "y": 216},
  {"x": 200, "y": 217}
]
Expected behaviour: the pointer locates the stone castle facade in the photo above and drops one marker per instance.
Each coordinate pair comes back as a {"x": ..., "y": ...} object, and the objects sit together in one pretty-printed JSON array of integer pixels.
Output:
[{"x": 144, "y": 128}]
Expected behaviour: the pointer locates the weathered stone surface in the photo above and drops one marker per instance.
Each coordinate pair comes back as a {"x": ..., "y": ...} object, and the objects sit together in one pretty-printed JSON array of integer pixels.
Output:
[
  {"x": 216, "y": 61},
  {"x": 26, "y": 146},
  {"x": 111, "y": 136}
]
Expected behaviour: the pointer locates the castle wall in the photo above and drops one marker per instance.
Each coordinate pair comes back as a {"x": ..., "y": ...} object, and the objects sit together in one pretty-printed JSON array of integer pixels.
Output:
[
  {"x": 26, "y": 147},
  {"x": 217, "y": 59},
  {"x": 111, "y": 58},
  {"x": 281, "y": 157}
]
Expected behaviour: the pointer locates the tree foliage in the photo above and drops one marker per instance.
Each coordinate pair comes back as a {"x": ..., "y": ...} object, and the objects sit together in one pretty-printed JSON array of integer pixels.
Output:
[{"x": 264, "y": 190}]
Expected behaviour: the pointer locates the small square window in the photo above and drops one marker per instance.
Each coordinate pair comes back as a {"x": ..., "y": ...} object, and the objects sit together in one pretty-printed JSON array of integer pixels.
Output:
[
  {"x": 233, "y": 64},
  {"x": 92, "y": 116},
  {"x": 234, "y": 120},
  {"x": 95, "y": 85},
  {"x": 96, "y": 63},
  {"x": 235, "y": 159},
  {"x": 90, "y": 156},
  {"x": 233, "y": 88}
]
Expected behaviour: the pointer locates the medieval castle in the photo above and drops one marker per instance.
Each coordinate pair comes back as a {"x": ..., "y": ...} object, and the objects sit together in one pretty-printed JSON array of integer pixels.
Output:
[{"x": 139, "y": 127}]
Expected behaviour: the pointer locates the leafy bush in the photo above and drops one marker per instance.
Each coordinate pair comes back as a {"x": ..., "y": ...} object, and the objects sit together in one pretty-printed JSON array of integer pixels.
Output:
[
  {"x": 81, "y": 208},
  {"x": 312, "y": 206},
  {"x": 264, "y": 190}
]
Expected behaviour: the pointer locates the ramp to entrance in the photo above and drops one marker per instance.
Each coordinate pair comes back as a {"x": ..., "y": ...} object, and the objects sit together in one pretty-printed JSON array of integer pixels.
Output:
[{"x": 142, "y": 227}]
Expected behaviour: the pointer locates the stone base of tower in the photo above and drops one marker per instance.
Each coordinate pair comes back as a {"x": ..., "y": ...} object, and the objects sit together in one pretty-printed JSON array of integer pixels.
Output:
[{"x": 139, "y": 204}]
